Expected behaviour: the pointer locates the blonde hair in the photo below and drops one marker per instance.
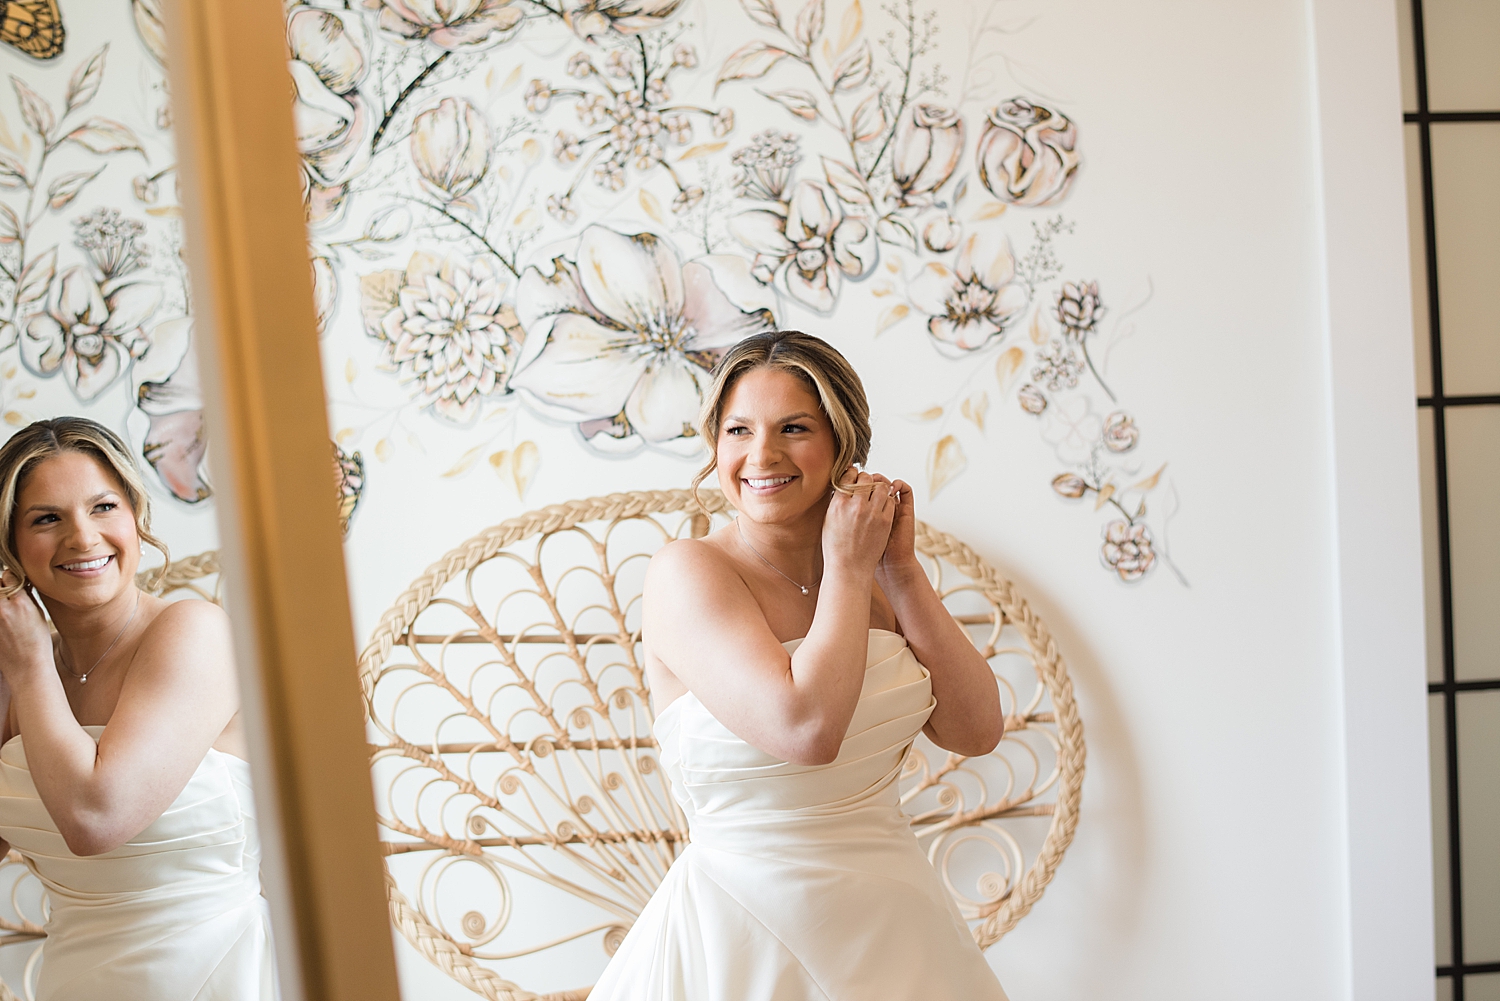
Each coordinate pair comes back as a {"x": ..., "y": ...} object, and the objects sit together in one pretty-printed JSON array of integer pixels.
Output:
[
  {"x": 818, "y": 364},
  {"x": 43, "y": 440}
]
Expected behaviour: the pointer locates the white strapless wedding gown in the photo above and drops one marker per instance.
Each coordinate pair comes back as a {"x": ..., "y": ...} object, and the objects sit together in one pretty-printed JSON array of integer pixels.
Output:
[
  {"x": 175, "y": 914},
  {"x": 801, "y": 882}
]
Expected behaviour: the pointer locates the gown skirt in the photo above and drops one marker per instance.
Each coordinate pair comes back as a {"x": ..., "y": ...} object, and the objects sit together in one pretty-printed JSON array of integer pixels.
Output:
[
  {"x": 175, "y": 914},
  {"x": 801, "y": 882}
]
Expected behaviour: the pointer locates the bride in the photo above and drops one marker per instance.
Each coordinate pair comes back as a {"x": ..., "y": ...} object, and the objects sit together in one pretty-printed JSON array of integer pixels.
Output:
[
  {"x": 793, "y": 657},
  {"x": 123, "y": 783}
]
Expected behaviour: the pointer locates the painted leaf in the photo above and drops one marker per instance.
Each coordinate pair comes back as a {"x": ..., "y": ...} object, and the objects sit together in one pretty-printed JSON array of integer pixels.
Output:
[
  {"x": 36, "y": 278},
  {"x": 351, "y": 372},
  {"x": 527, "y": 218},
  {"x": 891, "y": 316},
  {"x": 523, "y": 466},
  {"x": 975, "y": 407},
  {"x": 512, "y": 79},
  {"x": 846, "y": 183},
  {"x": 702, "y": 149},
  {"x": 868, "y": 123},
  {"x": 102, "y": 135},
  {"x": 650, "y": 205},
  {"x": 35, "y": 110},
  {"x": 762, "y": 12},
  {"x": 1038, "y": 334},
  {"x": 383, "y": 449},
  {"x": 1007, "y": 365},
  {"x": 86, "y": 80},
  {"x": 960, "y": 191},
  {"x": 930, "y": 414},
  {"x": 854, "y": 69},
  {"x": 1105, "y": 493},
  {"x": 344, "y": 437},
  {"x": 465, "y": 463},
  {"x": 749, "y": 61},
  {"x": 66, "y": 188},
  {"x": 10, "y": 225},
  {"x": 810, "y": 22},
  {"x": 798, "y": 102},
  {"x": 990, "y": 210},
  {"x": 897, "y": 231},
  {"x": 1150, "y": 482},
  {"x": 14, "y": 418},
  {"x": 12, "y": 171},
  {"x": 8, "y": 335},
  {"x": 944, "y": 463},
  {"x": 851, "y": 24},
  {"x": 500, "y": 463}
]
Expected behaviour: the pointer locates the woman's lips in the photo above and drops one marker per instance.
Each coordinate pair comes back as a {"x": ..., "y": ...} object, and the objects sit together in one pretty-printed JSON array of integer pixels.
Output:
[
  {"x": 86, "y": 568},
  {"x": 764, "y": 485}
]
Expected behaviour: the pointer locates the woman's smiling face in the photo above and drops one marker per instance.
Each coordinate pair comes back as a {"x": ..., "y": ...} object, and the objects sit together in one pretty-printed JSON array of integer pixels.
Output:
[
  {"x": 75, "y": 532},
  {"x": 776, "y": 448}
]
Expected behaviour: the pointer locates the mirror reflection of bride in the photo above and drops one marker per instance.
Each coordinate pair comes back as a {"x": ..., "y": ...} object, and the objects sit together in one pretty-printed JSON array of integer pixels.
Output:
[
  {"x": 123, "y": 780},
  {"x": 793, "y": 657}
]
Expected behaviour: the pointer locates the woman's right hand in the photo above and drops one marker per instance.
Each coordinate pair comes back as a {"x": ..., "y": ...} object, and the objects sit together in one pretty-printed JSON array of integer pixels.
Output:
[
  {"x": 858, "y": 524},
  {"x": 25, "y": 640}
]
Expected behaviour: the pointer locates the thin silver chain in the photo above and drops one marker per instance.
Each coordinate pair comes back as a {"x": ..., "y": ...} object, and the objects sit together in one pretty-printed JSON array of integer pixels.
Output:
[
  {"x": 804, "y": 588},
  {"x": 83, "y": 678}
]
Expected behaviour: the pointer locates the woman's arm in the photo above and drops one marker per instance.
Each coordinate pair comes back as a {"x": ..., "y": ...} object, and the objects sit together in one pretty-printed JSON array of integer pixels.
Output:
[
  {"x": 178, "y": 697},
  {"x": 968, "y": 718},
  {"x": 702, "y": 622}
]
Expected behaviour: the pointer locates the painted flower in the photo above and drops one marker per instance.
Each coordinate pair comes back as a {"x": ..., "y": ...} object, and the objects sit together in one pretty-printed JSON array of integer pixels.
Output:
[
  {"x": 449, "y": 24},
  {"x": 723, "y": 122},
  {"x": 325, "y": 290},
  {"x": 1078, "y": 309},
  {"x": 593, "y": 19},
  {"x": 444, "y": 329},
  {"x": 766, "y": 165},
  {"x": 1026, "y": 153},
  {"x": 560, "y": 207},
  {"x": 1031, "y": 399},
  {"x": 1120, "y": 433},
  {"x": 566, "y": 147},
  {"x": 974, "y": 303},
  {"x": 610, "y": 174},
  {"x": 169, "y": 395},
  {"x": 349, "y": 482},
  {"x": 941, "y": 232},
  {"x": 1057, "y": 366},
  {"x": 929, "y": 140},
  {"x": 90, "y": 331},
  {"x": 580, "y": 66},
  {"x": 1127, "y": 549},
  {"x": 807, "y": 246},
  {"x": 450, "y": 146},
  {"x": 620, "y": 64},
  {"x": 334, "y": 122},
  {"x": 679, "y": 127},
  {"x": 538, "y": 96},
  {"x": 592, "y": 109},
  {"x": 622, "y": 338},
  {"x": 1069, "y": 485},
  {"x": 685, "y": 56}
]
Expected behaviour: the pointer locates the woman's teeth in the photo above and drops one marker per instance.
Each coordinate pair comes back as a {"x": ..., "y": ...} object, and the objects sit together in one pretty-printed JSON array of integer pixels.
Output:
[
  {"x": 87, "y": 564},
  {"x": 774, "y": 481}
]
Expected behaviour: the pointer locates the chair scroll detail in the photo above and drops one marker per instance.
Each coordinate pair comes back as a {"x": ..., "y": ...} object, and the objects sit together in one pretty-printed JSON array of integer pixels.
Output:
[
  {"x": 527, "y": 819},
  {"x": 24, "y": 910}
]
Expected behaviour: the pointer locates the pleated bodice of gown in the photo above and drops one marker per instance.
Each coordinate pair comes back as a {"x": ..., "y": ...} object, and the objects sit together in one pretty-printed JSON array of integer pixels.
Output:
[
  {"x": 801, "y": 882},
  {"x": 174, "y": 914}
]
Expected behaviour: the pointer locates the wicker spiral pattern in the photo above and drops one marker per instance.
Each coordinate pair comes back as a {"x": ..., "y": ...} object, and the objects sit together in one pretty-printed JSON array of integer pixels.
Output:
[
  {"x": 452, "y": 799},
  {"x": 25, "y": 908}
]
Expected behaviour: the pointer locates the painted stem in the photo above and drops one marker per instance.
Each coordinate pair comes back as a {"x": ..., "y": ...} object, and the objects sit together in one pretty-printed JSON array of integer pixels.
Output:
[{"x": 406, "y": 92}]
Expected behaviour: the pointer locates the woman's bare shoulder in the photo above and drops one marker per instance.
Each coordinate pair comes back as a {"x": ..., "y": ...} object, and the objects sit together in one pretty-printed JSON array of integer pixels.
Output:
[
  {"x": 688, "y": 562},
  {"x": 198, "y": 630}
]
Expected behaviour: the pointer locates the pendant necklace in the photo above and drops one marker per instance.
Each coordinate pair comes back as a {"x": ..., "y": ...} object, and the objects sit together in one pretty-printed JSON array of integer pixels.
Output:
[
  {"x": 804, "y": 588},
  {"x": 83, "y": 678}
]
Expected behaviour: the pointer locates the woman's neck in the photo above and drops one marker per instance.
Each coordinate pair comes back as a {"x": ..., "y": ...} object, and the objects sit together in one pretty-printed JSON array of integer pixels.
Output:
[
  {"x": 794, "y": 548},
  {"x": 85, "y": 632}
]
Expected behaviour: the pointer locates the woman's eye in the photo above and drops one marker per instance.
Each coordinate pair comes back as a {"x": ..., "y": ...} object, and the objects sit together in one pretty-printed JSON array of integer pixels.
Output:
[
  {"x": 106, "y": 506},
  {"x": 794, "y": 428},
  {"x": 734, "y": 431},
  {"x": 44, "y": 519}
]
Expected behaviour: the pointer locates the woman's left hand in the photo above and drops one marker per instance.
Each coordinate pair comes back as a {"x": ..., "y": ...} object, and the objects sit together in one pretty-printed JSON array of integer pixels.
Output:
[
  {"x": 900, "y": 549},
  {"x": 25, "y": 640}
]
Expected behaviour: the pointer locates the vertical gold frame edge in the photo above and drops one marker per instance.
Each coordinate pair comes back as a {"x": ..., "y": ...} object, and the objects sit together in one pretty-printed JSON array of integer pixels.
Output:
[{"x": 284, "y": 572}]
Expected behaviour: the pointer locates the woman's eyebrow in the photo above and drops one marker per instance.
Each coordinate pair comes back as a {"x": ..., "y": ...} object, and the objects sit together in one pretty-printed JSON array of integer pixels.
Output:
[
  {"x": 780, "y": 420},
  {"x": 52, "y": 507}
]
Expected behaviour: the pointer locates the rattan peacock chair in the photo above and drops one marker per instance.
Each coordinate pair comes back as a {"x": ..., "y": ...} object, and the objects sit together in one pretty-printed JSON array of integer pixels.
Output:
[
  {"x": 527, "y": 818},
  {"x": 25, "y": 908}
]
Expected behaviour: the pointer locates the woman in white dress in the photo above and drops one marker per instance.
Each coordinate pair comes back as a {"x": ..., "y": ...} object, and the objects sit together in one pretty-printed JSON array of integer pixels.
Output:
[
  {"x": 793, "y": 657},
  {"x": 123, "y": 781}
]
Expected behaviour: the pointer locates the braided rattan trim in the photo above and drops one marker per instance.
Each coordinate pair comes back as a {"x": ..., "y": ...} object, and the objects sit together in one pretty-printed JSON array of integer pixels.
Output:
[{"x": 402, "y": 614}]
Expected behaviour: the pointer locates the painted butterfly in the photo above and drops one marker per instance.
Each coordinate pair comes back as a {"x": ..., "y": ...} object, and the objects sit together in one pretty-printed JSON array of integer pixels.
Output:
[{"x": 33, "y": 26}]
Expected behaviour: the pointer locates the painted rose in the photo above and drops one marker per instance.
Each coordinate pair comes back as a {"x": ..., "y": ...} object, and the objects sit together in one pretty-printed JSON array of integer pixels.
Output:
[
  {"x": 90, "y": 332},
  {"x": 621, "y": 338},
  {"x": 451, "y": 25},
  {"x": 450, "y": 146},
  {"x": 169, "y": 396},
  {"x": 1032, "y": 399},
  {"x": 807, "y": 246},
  {"x": 1120, "y": 433},
  {"x": 1069, "y": 485},
  {"x": 1127, "y": 549},
  {"x": 1026, "y": 153},
  {"x": 928, "y": 142},
  {"x": 1078, "y": 308},
  {"x": 444, "y": 329},
  {"x": 334, "y": 122},
  {"x": 977, "y": 301},
  {"x": 593, "y": 19}
]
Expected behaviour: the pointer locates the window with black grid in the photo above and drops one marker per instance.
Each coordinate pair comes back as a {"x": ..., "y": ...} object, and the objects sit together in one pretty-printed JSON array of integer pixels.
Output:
[{"x": 1451, "y": 101}]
